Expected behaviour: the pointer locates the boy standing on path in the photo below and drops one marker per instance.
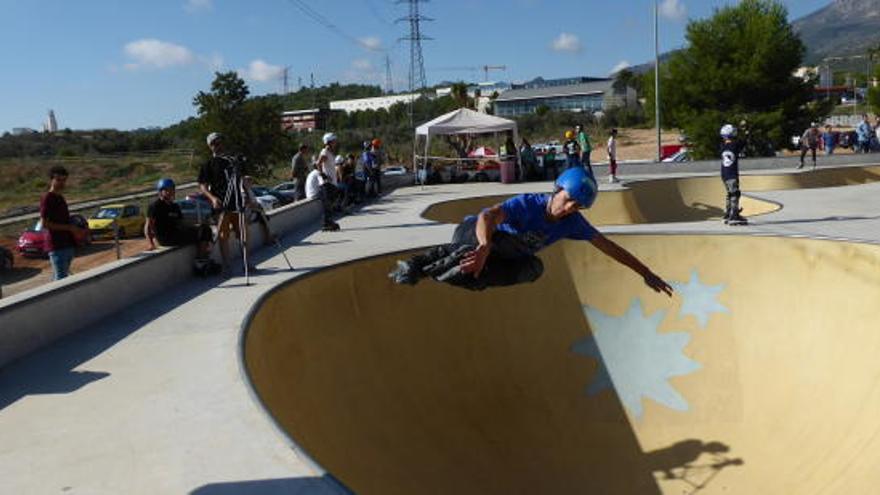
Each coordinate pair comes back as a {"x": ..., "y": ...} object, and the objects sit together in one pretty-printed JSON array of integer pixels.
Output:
[
  {"x": 612, "y": 157},
  {"x": 55, "y": 217},
  {"x": 730, "y": 175},
  {"x": 586, "y": 147}
]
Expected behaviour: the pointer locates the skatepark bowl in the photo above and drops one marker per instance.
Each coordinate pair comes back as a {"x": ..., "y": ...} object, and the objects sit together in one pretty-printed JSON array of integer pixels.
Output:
[
  {"x": 760, "y": 375},
  {"x": 677, "y": 200}
]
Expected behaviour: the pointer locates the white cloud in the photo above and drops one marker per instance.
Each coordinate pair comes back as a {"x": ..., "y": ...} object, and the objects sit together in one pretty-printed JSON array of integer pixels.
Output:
[
  {"x": 673, "y": 9},
  {"x": 156, "y": 54},
  {"x": 623, "y": 64},
  {"x": 362, "y": 64},
  {"x": 371, "y": 43},
  {"x": 567, "y": 42},
  {"x": 193, "y": 6},
  {"x": 261, "y": 71}
]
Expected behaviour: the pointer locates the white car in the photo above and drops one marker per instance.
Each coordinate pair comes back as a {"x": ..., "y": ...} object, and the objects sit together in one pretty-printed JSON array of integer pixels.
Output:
[{"x": 395, "y": 170}]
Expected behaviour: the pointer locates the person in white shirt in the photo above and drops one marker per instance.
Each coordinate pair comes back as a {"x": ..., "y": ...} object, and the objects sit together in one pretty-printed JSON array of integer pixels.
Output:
[
  {"x": 326, "y": 161},
  {"x": 318, "y": 187},
  {"x": 612, "y": 156}
]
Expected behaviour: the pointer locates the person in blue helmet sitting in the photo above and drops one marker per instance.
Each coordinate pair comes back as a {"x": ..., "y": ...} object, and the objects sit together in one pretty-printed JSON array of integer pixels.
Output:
[
  {"x": 498, "y": 247},
  {"x": 165, "y": 226}
]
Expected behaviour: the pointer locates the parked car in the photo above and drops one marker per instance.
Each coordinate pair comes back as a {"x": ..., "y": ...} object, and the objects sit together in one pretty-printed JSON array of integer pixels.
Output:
[
  {"x": 394, "y": 170},
  {"x": 127, "y": 217},
  {"x": 6, "y": 259},
  {"x": 32, "y": 242},
  {"x": 195, "y": 210},
  {"x": 282, "y": 197}
]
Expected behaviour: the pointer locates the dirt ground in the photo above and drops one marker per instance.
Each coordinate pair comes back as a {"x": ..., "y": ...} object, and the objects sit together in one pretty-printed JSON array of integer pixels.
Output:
[{"x": 28, "y": 273}]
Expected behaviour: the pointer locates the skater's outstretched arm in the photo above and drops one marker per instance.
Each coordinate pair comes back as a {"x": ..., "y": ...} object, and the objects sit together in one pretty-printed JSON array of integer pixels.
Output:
[
  {"x": 488, "y": 220},
  {"x": 624, "y": 257}
]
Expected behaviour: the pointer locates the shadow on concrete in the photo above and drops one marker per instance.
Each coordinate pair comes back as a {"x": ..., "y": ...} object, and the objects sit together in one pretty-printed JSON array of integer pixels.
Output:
[
  {"x": 18, "y": 275},
  {"x": 53, "y": 370},
  {"x": 325, "y": 485},
  {"x": 680, "y": 462}
]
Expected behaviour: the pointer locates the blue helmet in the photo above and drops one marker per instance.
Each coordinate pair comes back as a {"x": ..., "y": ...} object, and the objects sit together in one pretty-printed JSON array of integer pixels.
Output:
[
  {"x": 580, "y": 186},
  {"x": 165, "y": 184}
]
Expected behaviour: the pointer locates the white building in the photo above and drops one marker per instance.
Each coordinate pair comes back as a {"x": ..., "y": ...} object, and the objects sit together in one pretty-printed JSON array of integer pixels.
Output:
[
  {"x": 51, "y": 125},
  {"x": 376, "y": 103}
]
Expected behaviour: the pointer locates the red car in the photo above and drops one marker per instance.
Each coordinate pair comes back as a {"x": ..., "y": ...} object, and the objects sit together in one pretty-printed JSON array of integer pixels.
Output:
[{"x": 32, "y": 242}]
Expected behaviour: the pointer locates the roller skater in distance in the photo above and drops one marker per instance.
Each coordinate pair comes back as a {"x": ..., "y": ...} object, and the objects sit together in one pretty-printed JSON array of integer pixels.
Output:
[
  {"x": 498, "y": 247},
  {"x": 730, "y": 150}
]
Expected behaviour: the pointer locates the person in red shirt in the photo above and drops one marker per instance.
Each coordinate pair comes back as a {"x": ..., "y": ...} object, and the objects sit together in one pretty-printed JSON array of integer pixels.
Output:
[{"x": 55, "y": 218}]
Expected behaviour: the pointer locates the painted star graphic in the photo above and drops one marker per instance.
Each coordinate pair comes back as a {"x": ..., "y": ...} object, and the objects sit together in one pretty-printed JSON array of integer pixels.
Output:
[
  {"x": 635, "y": 360},
  {"x": 699, "y": 300}
]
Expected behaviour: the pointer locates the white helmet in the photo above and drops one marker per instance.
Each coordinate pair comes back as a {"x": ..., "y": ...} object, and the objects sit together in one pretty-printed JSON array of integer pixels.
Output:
[
  {"x": 213, "y": 137},
  {"x": 728, "y": 131},
  {"x": 329, "y": 138},
  {"x": 339, "y": 160}
]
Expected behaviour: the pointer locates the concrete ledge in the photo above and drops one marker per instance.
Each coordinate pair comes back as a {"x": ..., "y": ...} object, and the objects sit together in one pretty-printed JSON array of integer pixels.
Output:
[{"x": 33, "y": 319}]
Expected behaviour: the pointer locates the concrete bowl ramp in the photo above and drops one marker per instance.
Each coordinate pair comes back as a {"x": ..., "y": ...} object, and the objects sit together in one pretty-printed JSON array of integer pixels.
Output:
[
  {"x": 761, "y": 375},
  {"x": 677, "y": 200}
]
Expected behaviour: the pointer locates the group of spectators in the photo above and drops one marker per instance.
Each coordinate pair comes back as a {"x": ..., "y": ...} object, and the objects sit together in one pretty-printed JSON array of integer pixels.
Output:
[
  {"x": 864, "y": 139},
  {"x": 338, "y": 181}
]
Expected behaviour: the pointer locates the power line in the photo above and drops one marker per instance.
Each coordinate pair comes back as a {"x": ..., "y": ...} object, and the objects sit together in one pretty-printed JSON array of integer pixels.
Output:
[
  {"x": 320, "y": 19},
  {"x": 417, "y": 79},
  {"x": 375, "y": 12}
]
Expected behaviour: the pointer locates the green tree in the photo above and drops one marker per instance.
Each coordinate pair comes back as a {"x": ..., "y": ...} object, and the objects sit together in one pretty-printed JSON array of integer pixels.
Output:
[
  {"x": 738, "y": 68},
  {"x": 252, "y": 127}
]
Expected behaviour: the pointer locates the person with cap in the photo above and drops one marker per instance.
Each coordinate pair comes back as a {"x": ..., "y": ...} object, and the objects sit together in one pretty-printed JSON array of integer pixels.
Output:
[
  {"x": 499, "y": 246},
  {"x": 165, "y": 225},
  {"x": 572, "y": 150},
  {"x": 215, "y": 182}
]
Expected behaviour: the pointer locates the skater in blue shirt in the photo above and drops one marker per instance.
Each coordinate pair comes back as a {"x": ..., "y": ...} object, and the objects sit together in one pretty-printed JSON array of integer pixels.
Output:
[
  {"x": 730, "y": 150},
  {"x": 498, "y": 247}
]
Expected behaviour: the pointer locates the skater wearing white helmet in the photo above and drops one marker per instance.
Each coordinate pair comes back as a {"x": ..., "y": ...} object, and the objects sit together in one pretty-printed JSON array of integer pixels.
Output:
[
  {"x": 730, "y": 150},
  {"x": 499, "y": 246},
  {"x": 326, "y": 161}
]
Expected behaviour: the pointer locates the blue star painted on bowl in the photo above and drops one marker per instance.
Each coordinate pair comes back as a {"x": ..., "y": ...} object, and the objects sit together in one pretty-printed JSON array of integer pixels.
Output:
[
  {"x": 635, "y": 360},
  {"x": 698, "y": 299}
]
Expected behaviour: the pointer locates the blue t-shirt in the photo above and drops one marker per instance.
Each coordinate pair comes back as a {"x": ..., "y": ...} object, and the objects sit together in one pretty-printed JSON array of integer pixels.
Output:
[{"x": 526, "y": 216}]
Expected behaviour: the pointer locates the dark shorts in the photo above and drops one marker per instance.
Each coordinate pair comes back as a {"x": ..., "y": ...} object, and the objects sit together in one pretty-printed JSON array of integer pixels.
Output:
[{"x": 511, "y": 261}]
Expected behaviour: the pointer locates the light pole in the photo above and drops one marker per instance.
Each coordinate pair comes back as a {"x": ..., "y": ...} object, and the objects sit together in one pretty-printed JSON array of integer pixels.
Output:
[{"x": 657, "y": 77}]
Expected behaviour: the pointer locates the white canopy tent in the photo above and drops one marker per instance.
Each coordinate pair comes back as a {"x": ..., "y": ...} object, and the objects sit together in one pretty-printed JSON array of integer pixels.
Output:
[{"x": 463, "y": 121}]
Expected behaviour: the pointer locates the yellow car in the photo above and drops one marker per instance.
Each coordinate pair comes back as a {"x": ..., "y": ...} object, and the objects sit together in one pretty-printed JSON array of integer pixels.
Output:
[{"x": 129, "y": 219}]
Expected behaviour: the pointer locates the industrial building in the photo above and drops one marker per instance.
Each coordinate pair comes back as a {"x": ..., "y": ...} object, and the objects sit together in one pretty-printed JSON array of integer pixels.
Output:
[{"x": 580, "y": 94}]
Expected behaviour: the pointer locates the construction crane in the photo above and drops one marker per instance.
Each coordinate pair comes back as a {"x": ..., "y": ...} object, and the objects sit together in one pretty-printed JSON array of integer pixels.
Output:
[{"x": 484, "y": 68}]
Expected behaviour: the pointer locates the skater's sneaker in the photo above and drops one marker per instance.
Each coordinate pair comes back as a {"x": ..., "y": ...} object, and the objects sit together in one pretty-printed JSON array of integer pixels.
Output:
[
  {"x": 405, "y": 273},
  {"x": 800, "y": 165},
  {"x": 737, "y": 220},
  {"x": 330, "y": 227}
]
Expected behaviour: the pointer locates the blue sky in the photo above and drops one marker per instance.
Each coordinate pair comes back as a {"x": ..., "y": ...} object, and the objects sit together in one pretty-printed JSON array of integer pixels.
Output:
[{"x": 111, "y": 64}]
